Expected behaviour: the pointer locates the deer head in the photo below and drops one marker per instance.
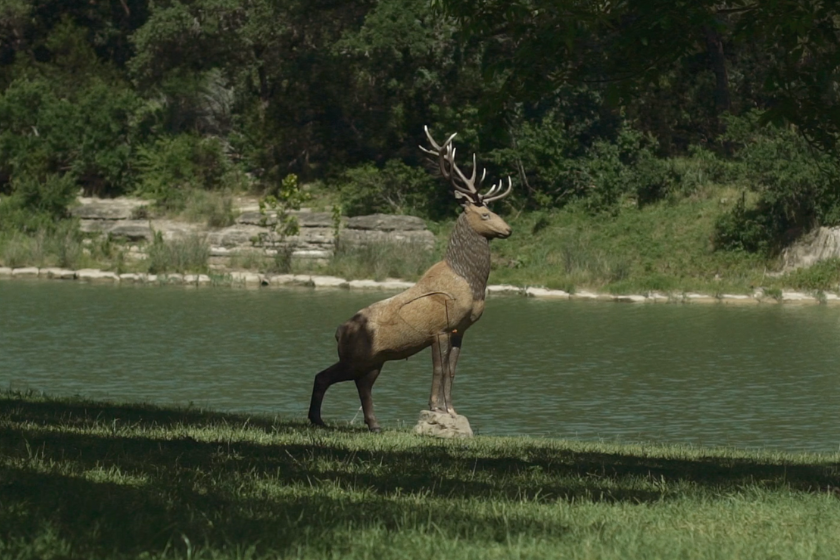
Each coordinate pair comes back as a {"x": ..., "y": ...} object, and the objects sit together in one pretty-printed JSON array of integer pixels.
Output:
[{"x": 479, "y": 216}]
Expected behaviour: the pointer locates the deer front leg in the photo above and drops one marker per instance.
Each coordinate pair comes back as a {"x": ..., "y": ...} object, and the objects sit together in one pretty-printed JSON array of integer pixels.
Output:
[
  {"x": 454, "y": 352},
  {"x": 364, "y": 384},
  {"x": 334, "y": 374},
  {"x": 440, "y": 367}
]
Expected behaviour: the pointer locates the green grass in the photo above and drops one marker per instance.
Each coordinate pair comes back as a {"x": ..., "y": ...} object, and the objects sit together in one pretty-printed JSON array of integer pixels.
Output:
[
  {"x": 665, "y": 247},
  {"x": 381, "y": 260},
  {"x": 189, "y": 254},
  {"x": 81, "y": 479}
]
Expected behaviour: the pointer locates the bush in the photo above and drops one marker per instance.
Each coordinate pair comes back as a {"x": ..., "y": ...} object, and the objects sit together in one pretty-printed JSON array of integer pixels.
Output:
[
  {"x": 797, "y": 187},
  {"x": 558, "y": 168},
  {"x": 46, "y": 129},
  {"x": 746, "y": 229},
  {"x": 172, "y": 167},
  {"x": 36, "y": 203},
  {"x": 395, "y": 189}
]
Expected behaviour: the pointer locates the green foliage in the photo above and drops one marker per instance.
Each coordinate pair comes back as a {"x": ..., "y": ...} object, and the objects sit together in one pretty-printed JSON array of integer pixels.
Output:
[
  {"x": 173, "y": 98},
  {"x": 173, "y": 167},
  {"x": 36, "y": 203},
  {"x": 785, "y": 56},
  {"x": 396, "y": 188},
  {"x": 746, "y": 229},
  {"x": 797, "y": 187},
  {"x": 557, "y": 167},
  {"x": 336, "y": 215},
  {"x": 68, "y": 118},
  {"x": 277, "y": 209}
]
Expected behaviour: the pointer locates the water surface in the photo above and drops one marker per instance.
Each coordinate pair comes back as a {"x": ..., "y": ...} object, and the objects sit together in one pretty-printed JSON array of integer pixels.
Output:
[{"x": 755, "y": 376}]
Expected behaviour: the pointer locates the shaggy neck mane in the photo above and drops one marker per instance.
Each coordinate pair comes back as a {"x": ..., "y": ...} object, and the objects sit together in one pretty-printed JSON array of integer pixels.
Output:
[{"x": 468, "y": 255}]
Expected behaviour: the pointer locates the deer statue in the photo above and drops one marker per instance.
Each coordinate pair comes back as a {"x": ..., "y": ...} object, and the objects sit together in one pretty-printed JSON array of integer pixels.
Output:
[{"x": 435, "y": 312}]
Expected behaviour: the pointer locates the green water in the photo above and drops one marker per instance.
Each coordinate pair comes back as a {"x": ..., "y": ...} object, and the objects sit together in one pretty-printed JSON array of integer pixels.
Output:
[{"x": 755, "y": 376}]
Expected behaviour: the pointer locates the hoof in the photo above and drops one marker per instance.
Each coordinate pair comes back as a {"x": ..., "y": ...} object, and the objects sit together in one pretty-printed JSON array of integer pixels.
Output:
[
  {"x": 317, "y": 422},
  {"x": 375, "y": 430}
]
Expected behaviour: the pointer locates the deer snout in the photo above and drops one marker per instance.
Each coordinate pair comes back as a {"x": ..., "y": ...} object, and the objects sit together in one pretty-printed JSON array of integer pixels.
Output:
[{"x": 504, "y": 232}]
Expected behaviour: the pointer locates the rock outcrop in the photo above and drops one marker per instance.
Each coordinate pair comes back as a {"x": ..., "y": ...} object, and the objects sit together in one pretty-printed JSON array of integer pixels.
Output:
[
  {"x": 821, "y": 244},
  {"x": 124, "y": 218}
]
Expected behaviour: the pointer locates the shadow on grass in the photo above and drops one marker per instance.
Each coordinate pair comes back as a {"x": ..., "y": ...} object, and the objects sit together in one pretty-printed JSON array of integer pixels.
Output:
[{"x": 161, "y": 494}]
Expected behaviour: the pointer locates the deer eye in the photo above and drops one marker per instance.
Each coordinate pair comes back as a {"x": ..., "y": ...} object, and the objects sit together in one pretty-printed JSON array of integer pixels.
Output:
[{"x": 485, "y": 216}]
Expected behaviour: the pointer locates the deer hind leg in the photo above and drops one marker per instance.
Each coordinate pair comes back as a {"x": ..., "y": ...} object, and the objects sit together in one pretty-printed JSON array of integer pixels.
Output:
[
  {"x": 364, "y": 384},
  {"x": 336, "y": 373},
  {"x": 441, "y": 346},
  {"x": 454, "y": 352}
]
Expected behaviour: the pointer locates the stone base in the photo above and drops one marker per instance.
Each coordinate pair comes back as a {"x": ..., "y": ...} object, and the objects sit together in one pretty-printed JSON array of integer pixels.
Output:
[{"x": 442, "y": 425}]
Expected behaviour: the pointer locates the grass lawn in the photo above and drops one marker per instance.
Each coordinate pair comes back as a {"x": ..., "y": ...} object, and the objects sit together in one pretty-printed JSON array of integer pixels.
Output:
[{"x": 82, "y": 479}]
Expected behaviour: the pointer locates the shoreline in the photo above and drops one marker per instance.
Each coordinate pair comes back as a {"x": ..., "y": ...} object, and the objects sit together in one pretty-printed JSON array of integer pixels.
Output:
[{"x": 248, "y": 279}]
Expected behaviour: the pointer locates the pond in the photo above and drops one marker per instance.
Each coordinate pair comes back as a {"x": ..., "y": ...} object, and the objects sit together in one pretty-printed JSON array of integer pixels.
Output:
[{"x": 763, "y": 376}]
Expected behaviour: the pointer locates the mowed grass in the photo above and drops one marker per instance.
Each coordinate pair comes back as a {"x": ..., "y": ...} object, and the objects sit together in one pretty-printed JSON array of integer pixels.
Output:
[{"x": 81, "y": 479}]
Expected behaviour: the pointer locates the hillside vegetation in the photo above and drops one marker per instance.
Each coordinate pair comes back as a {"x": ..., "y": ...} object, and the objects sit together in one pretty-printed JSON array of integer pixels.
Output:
[{"x": 665, "y": 146}]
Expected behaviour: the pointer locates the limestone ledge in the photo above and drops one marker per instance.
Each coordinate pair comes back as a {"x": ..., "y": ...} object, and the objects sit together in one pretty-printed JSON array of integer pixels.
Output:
[{"x": 253, "y": 279}]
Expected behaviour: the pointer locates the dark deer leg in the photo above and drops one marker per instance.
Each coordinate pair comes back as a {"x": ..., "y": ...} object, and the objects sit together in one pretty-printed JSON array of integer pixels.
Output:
[
  {"x": 454, "y": 352},
  {"x": 365, "y": 384},
  {"x": 334, "y": 374},
  {"x": 440, "y": 368}
]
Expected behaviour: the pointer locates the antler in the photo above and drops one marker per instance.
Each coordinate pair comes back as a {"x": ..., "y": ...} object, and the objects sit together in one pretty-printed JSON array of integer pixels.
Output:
[{"x": 464, "y": 186}]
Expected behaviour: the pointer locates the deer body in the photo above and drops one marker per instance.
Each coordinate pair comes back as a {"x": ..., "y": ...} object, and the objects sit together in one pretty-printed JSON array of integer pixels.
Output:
[{"x": 435, "y": 312}]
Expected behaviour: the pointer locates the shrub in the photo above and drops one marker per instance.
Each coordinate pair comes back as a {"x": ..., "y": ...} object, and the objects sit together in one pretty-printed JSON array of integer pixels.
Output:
[
  {"x": 559, "y": 168},
  {"x": 797, "y": 187},
  {"x": 396, "y": 188},
  {"x": 173, "y": 167},
  {"x": 36, "y": 203},
  {"x": 746, "y": 229},
  {"x": 70, "y": 118}
]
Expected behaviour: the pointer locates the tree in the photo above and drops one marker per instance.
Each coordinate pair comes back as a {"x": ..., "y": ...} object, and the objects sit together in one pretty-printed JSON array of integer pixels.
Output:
[{"x": 537, "y": 45}]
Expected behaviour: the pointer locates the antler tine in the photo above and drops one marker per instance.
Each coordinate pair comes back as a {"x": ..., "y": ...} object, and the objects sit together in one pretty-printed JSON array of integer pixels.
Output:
[
  {"x": 440, "y": 151},
  {"x": 468, "y": 186},
  {"x": 464, "y": 186},
  {"x": 496, "y": 187},
  {"x": 499, "y": 196}
]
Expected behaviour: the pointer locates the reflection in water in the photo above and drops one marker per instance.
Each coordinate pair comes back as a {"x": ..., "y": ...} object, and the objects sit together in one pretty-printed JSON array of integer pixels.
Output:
[{"x": 758, "y": 376}]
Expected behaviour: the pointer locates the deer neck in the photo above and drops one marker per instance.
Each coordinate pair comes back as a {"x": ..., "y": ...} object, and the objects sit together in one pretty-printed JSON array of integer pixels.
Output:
[{"x": 468, "y": 254}]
